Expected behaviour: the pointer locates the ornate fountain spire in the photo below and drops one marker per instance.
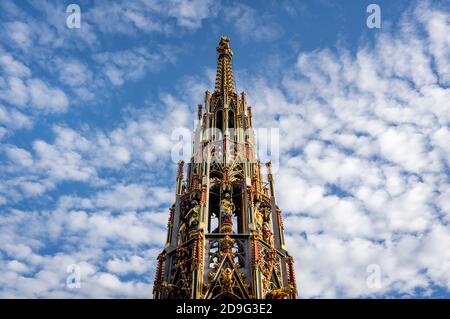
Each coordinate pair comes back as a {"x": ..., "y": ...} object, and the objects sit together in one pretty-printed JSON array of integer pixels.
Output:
[
  {"x": 225, "y": 234},
  {"x": 224, "y": 76}
]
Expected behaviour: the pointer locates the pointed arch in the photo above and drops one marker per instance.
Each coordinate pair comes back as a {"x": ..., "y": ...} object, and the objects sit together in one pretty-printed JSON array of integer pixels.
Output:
[
  {"x": 231, "y": 126},
  {"x": 213, "y": 205},
  {"x": 219, "y": 123}
]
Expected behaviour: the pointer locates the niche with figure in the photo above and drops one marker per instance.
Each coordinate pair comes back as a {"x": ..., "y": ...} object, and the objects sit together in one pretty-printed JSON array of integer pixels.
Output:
[
  {"x": 231, "y": 125},
  {"x": 219, "y": 124},
  {"x": 216, "y": 200}
]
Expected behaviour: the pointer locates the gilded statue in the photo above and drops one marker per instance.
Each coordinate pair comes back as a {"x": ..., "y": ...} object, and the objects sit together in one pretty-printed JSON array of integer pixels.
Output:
[
  {"x": 226, "y": 212},
  {"x": 193, "y": 215},
  {"x": 227, "y": 279}
]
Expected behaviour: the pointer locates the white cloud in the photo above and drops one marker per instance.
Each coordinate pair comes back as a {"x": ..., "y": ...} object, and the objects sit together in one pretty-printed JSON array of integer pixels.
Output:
[
  {"x": 440, "y": 140},
  {"x": 132, "y": 197},
  {"x": 19, "y": 155},
  {"x": 45, "y": 97},
  {"x": 15, "y": 92},
  {"x": 130, "y": 64},
  {"x": 17, "y": 266},
  {"x": 437, "y": 27},
  {"x": 135, "y": 264},
  {"x": 74, "y": 73},
  {"x": 13, "y": 119},
  {"x": 20, "y": 33},
  {"x": 122, "y": 154},
  {"x": 20, "y": 89},
  {"x": 150, "y": 16},
  {"x": 33, "y": 189},
  {"x": 405, "y": 147},
  {"x": 14, "y": 67},
  {"x": 61, "y": 164},
  {"x": 190, "y": 14},
  {"x": 90, "y": 155},
  {"x": 29, "y": 272},
  {"x": 114, "y": 75},
  {"x": 251, "y": 24}
]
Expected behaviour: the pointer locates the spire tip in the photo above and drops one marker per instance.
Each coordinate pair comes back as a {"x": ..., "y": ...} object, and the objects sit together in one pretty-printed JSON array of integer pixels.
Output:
[{"x": 224, "y": 46}]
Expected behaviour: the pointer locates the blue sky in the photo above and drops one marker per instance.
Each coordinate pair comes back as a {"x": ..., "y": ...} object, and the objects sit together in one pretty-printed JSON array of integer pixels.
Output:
[{"x": 87, "y": 115}]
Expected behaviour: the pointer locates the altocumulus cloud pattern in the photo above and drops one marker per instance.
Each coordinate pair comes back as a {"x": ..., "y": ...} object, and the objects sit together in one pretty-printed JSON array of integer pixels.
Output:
[{"x": 86, "y": 122}]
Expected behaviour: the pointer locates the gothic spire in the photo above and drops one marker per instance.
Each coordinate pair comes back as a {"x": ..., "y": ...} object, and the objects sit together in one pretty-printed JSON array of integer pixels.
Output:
[
  {"x": 225, "y": 235},
  {"x": 224, "y": 76}
]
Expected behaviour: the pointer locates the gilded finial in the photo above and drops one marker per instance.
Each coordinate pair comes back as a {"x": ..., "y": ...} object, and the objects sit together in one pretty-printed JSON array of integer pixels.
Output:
[{"x": 224, "y": 46}]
